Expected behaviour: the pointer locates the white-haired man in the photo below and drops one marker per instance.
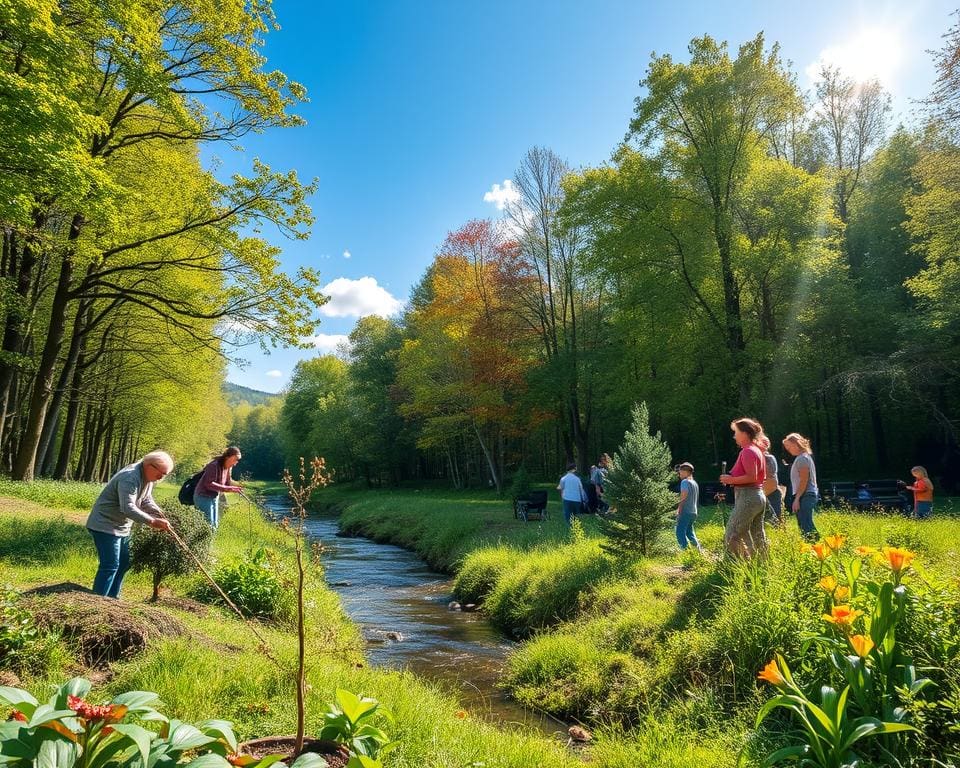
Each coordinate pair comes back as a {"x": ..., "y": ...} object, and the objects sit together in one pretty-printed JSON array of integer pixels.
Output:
[{"x": 127, "y": 498}]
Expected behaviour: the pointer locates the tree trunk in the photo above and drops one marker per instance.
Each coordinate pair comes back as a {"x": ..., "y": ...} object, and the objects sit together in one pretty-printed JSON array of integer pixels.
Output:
[
  {"x": 13, "y": 336},
  {"x": 62, "y": 470},
  {"x": 23, "y": 466}
]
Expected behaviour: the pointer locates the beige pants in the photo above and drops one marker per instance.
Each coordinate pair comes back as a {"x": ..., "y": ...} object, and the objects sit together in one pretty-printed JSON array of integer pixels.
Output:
[{"x": 745, "y": 536}]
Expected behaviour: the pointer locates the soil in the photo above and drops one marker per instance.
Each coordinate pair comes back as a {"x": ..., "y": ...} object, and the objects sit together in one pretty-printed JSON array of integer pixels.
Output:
[
  {"x": 100, "y": 629},
  {"x": 335, "y": 754}
]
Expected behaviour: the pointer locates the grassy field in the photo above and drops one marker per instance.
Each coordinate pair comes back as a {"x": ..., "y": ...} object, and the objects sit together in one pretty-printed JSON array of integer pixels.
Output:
[
  {"x": 666, "y": 647},
  {"x": 659, "y": 656},
  {"x": 46, "y": 543}
]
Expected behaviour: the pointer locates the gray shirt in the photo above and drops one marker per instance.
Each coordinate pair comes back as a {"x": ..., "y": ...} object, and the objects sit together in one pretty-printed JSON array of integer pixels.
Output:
[
  {"x": 125, "y": 498},
  {"x": 689, "y": 505},
  {"x": 804, "y": 460},
  {"x": 771, "y": 462}
]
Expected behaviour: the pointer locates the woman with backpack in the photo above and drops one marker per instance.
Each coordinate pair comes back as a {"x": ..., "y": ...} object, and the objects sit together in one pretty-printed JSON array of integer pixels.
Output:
[{"x": 214, "y": 481}]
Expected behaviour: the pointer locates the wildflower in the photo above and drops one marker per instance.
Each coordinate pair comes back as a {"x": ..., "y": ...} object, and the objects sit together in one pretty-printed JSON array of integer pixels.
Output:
[
  {"x": 898, "y": 559},
  {"x": 841, "y": 593},
  {"x": 460, "y": 714},
  {"x": 828, "y": 584},
  {"x": 771, "y": 673},
  {"x": 87, "y": 710},
  {"x": 805, "y": 548},
  {"x": 842, "y": 615},
  {"x": 18, "y": 716},
  {"x": 821, "y": 550},
  {"x": 865, "y": 551},
  {"x": 835, "y": 541},
  {"x": 862, "y": 644}
]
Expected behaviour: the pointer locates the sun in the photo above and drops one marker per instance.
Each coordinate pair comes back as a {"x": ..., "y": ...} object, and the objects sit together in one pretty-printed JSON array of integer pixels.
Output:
[{"x": 872, "y": 53}]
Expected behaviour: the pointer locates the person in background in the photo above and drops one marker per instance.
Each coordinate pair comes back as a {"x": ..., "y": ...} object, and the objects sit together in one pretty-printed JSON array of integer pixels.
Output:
[
  {"x": 922, "y": 493},
  {"x": 572, "y": 493},
  {"x": 127, "y": 498},
  {"x": 598, "y": 474},
  {"x": 771, "y": 483},
  {"x": 803, "y": 483},
  {"x": 214, "y": 481},
  {"x": 687, "y": 508},
  {"x": 745, "y": 535}
]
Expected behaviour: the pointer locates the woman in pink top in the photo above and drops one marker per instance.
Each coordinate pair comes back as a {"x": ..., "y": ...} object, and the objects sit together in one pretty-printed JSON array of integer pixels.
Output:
[{"x": 745, "y": 536}]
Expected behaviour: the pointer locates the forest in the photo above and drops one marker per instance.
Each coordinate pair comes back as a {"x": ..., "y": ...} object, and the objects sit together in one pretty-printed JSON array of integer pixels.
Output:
[{"x": 749, "y": 248}]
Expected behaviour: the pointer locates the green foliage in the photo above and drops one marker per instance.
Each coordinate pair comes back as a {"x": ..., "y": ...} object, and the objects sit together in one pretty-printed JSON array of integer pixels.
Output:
[
  {"x": 349, "y": 721},
  {"x": 258, "y": 432},
  {"x": 59, "y": 494},
  {"x": 69, "y": 732},
  {"x": 541, "y": 587},
  {"x": 520, "y": 484},
  {"x": 637, "y": 489},
  {"x": 156, "y": 552},
  {"x": 24, "y": 648},
  {"x": 257, "y": 584}
]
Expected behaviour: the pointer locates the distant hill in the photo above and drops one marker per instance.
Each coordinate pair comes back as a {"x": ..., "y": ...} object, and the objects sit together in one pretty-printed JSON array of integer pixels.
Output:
[{"x": 234, "y": 394}]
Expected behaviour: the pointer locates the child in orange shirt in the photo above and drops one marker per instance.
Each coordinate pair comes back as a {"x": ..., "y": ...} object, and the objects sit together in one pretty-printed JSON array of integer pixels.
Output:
[{"x": 922, "y": 493}]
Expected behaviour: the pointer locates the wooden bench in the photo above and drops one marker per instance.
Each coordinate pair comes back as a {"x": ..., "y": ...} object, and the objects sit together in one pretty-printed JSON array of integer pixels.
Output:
[{"x": 533, "y": 506}]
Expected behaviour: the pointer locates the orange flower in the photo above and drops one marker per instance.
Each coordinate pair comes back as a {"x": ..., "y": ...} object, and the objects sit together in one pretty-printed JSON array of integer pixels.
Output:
[
  {"x": 771, "y": 673},
  {"x": 841, "y": 593},
  {"x": 842, "y": 615},
  {"x": 821, "y": 550},
  {"x": 898, "y": 559},
  {"x": 460, "y": 714},
  {"x": 828, "y": 584},
  {"x": 866, "y": 551},
  {"x": 862, "y": 644},
  {"x": 835, "y": 541}
]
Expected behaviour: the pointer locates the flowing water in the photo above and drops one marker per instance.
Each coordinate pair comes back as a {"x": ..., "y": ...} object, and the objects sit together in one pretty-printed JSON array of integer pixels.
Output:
[{"x": 387, "y": 589}]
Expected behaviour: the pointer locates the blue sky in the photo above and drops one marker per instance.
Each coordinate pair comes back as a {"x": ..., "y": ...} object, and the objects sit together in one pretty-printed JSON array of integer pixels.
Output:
[{"x": 418, "y": 108}]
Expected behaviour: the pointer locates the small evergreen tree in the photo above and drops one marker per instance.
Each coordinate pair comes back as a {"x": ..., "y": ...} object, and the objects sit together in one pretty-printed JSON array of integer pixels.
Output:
[
  {"x": 637, "y": 487},
  {"x": 155, "y": 551}
]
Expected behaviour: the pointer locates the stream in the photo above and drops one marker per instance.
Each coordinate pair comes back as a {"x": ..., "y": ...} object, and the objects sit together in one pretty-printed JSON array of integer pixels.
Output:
[{"x": 387, "y": 589}]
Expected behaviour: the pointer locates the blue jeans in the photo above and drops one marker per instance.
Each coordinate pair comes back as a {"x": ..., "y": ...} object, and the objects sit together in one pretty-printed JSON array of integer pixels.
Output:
[
  {"x": 808, "y": 503},
  {"x": 923, "y": 509},
  {"x": 775, "y": 503},
  {"x": 210, "y": 506},
  {"x": 570, "y": 508},
  {"x": 685, "y": 534},
  {"x": 114, "y": 554}
]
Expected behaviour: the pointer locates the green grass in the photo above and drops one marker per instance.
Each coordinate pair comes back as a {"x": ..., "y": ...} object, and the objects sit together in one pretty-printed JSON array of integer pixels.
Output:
[
  {"x": 200, "y": 679},
  {"x": 667, "y": 647}
]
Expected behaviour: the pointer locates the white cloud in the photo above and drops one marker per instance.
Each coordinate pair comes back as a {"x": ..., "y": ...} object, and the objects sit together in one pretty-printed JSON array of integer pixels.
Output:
[
  {"x": 358, "y": 298},
  {"x": 347, "y": 254},
  {"x": 274, "y": 374},
  {"x": 873, "y": 52},
  {"x": 328, "y": 342},
  {"x": 502, "y": 196}
]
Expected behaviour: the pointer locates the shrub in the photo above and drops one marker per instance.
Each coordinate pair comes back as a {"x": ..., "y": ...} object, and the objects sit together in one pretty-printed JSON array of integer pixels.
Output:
[
  {"x": 637, "y": 488},
  {"x": 155, "y": 551},
  {"x": 23, "y": 646},
  {"x": 256, "y": 585}
]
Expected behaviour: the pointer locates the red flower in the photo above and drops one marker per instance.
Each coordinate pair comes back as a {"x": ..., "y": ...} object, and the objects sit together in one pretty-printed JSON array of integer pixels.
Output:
[
  {"x": 18, "y": 716},
  {"x": 89, "y": 711}
]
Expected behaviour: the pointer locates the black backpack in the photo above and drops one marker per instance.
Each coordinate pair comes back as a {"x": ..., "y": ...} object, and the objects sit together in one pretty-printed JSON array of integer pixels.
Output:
[{"x": 185, "y": 496}]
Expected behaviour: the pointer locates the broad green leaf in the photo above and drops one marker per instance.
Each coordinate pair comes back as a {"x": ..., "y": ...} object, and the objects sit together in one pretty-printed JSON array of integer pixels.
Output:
[
  {"x": 184, "y": 736},
  {"x": 139, "y": 735}
]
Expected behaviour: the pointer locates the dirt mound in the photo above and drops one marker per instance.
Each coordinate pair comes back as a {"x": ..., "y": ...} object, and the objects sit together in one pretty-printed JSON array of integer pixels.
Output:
[{"x": 101, "y": 630}]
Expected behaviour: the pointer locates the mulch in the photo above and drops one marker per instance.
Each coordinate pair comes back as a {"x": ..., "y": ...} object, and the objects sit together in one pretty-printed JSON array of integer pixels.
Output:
[{"x": 100, "y": 630}]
